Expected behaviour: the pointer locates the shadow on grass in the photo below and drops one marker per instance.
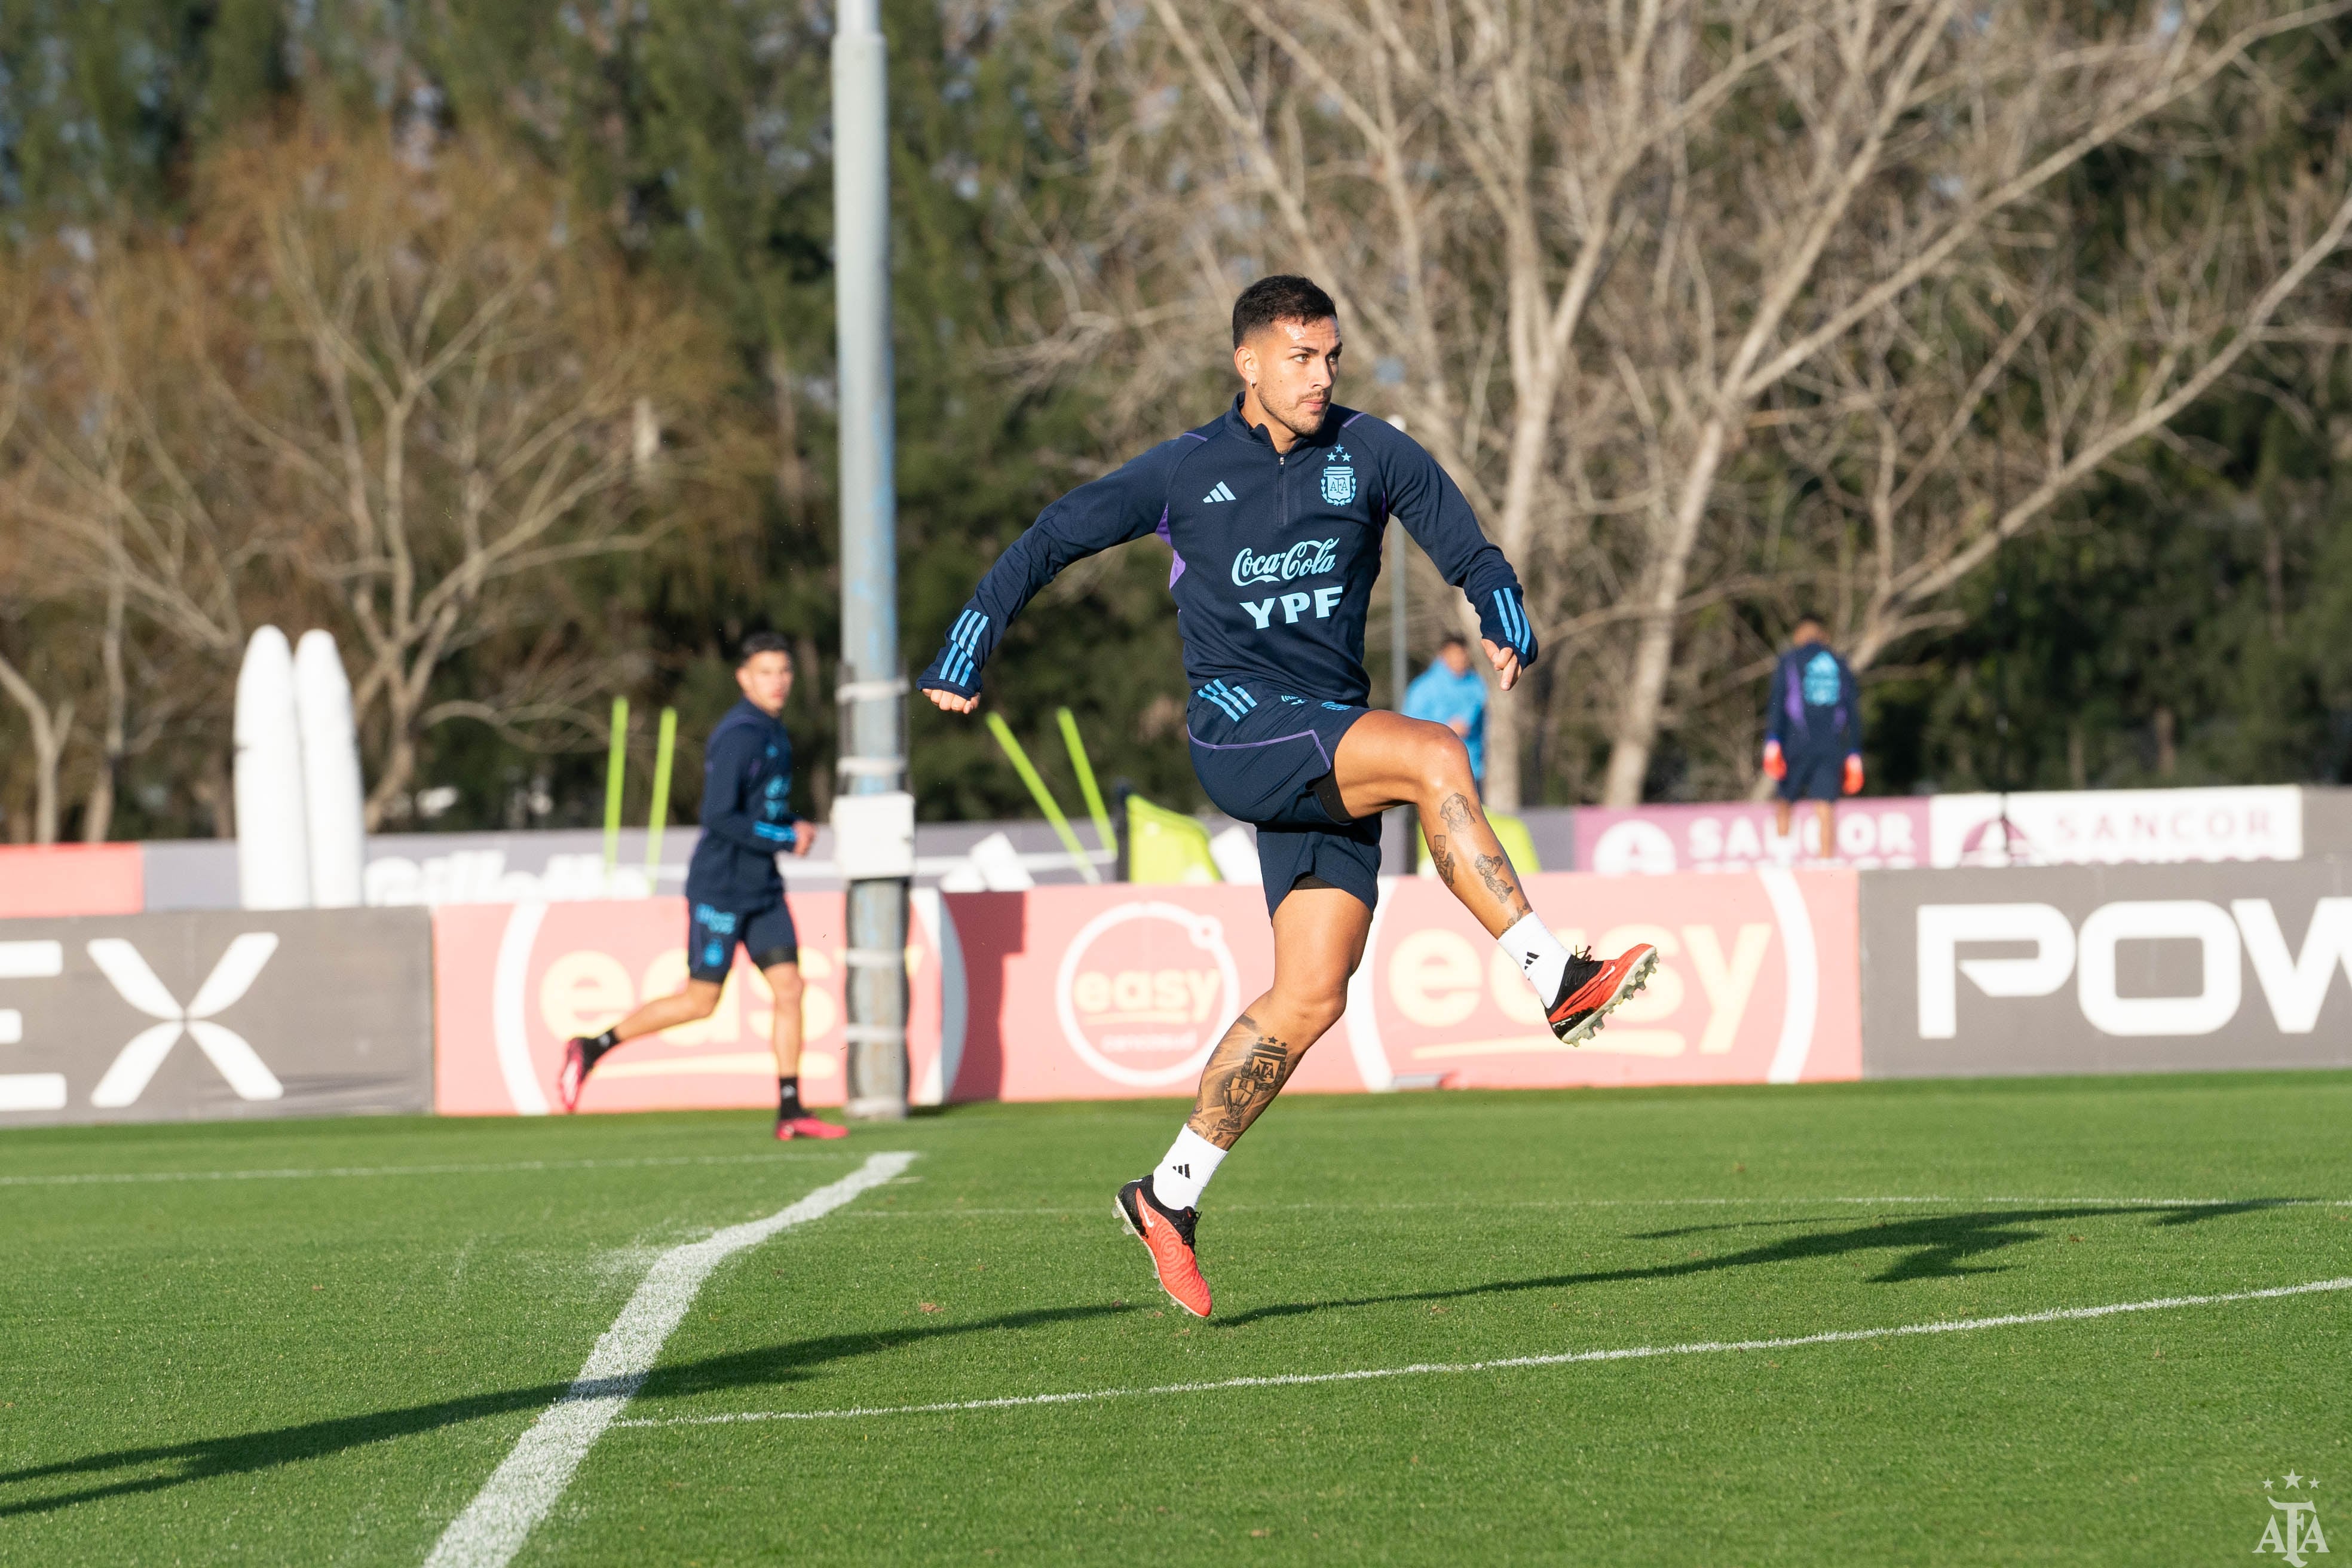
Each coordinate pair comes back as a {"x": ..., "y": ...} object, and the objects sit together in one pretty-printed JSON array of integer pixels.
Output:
[
  {"x": 244, "y": 1453},
  {"x": 1934, "y": 1247}
]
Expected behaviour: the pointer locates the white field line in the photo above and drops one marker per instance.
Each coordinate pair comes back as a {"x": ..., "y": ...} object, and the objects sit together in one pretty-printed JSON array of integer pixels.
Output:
[
  {"x": 526, "y": 1484},
  {"x": 114, "y": 1178},
  {"x": 1461, "y": 1204},
  {"x": 1423, "y": 1369},
  {"x": 109, "y": 1178}
]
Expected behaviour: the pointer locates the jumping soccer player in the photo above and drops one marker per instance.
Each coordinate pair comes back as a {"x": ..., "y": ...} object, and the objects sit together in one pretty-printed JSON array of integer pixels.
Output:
[
  {"x": 1274, "y": 512},
  {"x": 1813, "y": 729},
  {"x": 733, "y": 888}
]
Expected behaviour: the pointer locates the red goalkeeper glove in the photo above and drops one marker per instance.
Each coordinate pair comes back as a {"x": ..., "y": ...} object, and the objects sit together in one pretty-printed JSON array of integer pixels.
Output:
[
  {"x": 1776, "y": 766},
  {"x": 1853, "y": 773}
]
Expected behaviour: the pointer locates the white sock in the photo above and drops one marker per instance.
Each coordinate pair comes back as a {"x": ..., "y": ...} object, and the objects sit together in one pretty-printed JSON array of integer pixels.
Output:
[
  {"x": 1191, "y": 1161},
  {"x": 1539, "y": 954}
]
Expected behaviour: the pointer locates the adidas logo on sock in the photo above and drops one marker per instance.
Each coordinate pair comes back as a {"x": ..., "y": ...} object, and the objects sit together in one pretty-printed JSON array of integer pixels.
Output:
[
  {"x": 1184, "y": 1171},
  {"x": 1222, "y": 492}
]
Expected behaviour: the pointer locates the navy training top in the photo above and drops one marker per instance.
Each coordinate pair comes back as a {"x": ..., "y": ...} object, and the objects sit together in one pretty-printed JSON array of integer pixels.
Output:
[
  {"x": 1816, "y": 702},
  {"x": 1275, "y": 553},
  {"x": 746, "y": 780}
]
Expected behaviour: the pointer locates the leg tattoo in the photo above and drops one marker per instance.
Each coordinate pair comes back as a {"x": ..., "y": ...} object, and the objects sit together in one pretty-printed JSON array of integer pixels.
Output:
[
  {"x": 1243, "y": 1076},
  {"x": 1495, "y": 870}
]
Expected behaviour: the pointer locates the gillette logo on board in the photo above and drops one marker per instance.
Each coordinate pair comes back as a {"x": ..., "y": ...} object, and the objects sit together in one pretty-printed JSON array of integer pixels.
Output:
[{"x": 1307, "y": 558}]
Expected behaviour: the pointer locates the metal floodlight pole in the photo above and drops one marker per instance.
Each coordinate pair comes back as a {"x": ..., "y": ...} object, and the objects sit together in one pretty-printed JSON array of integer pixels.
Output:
[{"x": 873, "y": 813}]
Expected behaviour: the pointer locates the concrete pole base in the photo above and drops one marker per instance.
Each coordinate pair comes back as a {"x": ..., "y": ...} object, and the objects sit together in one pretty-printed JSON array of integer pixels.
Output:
[{"x": 875, "y": 1108}]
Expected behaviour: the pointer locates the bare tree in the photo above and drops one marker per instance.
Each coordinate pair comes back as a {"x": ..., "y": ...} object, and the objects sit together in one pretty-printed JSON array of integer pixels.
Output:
[
  {"x": 25, "y": 590},
  {"x": 1587, "y": 242},
  {"x": 451, "y": 396},
  {"x": 1961, "y": 414},
  {"x": 161, "y": 545},
  {"x": 390, "y": 396}
]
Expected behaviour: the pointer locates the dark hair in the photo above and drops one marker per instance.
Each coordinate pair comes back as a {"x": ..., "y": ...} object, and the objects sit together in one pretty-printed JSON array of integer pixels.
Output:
[
  {"x": 1454, "y": 639},
  {"x": 1281, "y": 297},
  {"x": 759, "y": 643}
]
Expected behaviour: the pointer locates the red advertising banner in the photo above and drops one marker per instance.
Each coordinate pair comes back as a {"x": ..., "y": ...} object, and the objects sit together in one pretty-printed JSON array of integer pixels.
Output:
[
  {"x": 1111, "y": 993},
  {"x": 1759, "y": 981},
  {"x": 513, "y": 982},
  {"x": 55, "y": 880},
  {"x": 1122, "y": 992}
]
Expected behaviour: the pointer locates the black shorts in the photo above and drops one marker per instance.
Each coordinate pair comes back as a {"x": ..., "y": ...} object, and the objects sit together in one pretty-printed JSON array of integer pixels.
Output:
[
  {"x": 711, "y": 934},
  {"x": 1265, "y": 757},
  {"x": 1814, "y": 774}
]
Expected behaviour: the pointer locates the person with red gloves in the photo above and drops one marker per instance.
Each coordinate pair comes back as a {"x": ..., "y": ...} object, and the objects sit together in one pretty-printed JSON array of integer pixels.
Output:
[{"x": 1813, "y": 729}]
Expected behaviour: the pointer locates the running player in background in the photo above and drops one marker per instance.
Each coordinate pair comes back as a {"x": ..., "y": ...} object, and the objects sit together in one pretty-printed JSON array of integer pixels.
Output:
[
  {"x": 1813, "y": 729},
  {"x": 734, "y": 891},
  {"x": 1275, "y": 513}
]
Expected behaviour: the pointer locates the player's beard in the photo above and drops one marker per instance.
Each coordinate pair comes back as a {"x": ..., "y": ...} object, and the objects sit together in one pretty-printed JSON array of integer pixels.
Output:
[{"x": 1298, "y": 420}]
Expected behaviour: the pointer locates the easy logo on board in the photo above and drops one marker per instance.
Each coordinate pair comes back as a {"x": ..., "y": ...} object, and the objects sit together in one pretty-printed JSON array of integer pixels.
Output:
[{"x": 1145, "y": 991}]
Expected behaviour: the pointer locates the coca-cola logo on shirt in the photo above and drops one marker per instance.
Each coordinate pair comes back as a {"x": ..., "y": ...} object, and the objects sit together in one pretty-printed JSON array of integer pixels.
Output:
[{"x": 1307, "y": 558}]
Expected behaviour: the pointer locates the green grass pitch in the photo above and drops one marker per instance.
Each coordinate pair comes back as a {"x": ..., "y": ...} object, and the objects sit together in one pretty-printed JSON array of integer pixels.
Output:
[{"x": 322, "y": 1356}]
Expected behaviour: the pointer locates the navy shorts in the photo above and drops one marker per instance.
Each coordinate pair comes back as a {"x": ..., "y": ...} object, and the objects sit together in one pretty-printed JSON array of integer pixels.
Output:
[
  {"x": 711, "y": 934},
  {"x": 1265, "y": 757},
  {"x": 1815, "y": 773}
]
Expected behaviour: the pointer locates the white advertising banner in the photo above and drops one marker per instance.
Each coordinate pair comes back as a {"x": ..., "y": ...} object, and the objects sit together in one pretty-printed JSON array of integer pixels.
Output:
[{"x": 2113, "y": 827}]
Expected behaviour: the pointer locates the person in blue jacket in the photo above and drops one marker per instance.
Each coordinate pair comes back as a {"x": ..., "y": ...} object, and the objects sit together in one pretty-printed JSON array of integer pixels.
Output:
[
  {"x": 1813, "y": 729},
  {"x": 1274, "y": 512},
  {"x": 1450, "y": 693},
  {"x": 734, "y": 895}
]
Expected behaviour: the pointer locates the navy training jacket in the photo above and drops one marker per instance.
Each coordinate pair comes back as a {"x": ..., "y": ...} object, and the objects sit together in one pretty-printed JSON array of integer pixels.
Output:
[
  {"x": 747, "y": 782},
  {"x": 1275, "y": 553},
  {"x": 1816, "y": 702}
]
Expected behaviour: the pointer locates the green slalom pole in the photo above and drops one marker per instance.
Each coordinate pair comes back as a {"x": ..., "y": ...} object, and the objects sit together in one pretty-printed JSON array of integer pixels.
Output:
[
  {"x": 1086, "y": 772},
  {"x": 613, "y": 781},
  {"x": 1004, "y": 734},
  {"x": 663, "y": 756}
]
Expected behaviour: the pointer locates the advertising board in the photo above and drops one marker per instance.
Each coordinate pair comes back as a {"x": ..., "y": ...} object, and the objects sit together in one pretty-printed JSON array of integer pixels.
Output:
[
  {"x": 1088, "y": 993},
  {"x": 2107, "y": 969},
  {"x": 513, "y": 982},
  {"x": 214, "y": 1017},
  {"x": 2053, "y": 827},
  {"x": 1741, "y": 836},
  {"x": 51, "y": 879},
  {"x": 2117, "y": 827}
]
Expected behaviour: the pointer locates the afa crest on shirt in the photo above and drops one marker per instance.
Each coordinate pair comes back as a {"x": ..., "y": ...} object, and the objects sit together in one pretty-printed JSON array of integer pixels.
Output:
[{"x": 1339, "y": 485}]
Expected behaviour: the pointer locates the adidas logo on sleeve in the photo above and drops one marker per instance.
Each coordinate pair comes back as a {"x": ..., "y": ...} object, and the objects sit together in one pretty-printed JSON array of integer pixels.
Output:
[{"x": 1222, "y": 493}]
